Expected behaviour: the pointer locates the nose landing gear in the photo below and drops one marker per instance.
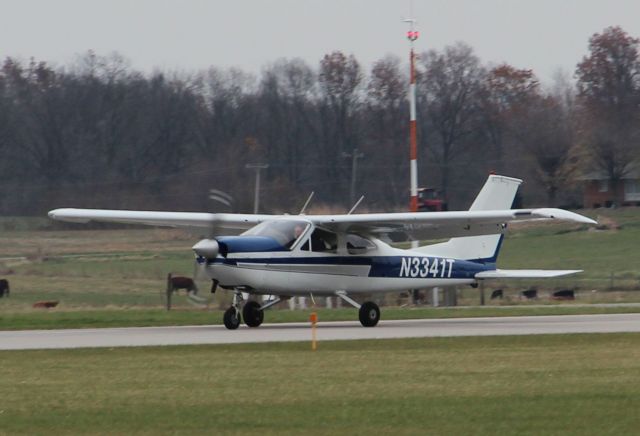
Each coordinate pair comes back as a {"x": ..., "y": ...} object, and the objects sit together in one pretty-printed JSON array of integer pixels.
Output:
[
  {"x": 252, "y": 312},
  {"x": 231, "y": 318}
]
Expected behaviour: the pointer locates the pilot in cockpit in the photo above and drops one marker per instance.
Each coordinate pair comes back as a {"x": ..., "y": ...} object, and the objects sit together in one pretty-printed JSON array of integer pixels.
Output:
[{"x": 297, "y": 231}]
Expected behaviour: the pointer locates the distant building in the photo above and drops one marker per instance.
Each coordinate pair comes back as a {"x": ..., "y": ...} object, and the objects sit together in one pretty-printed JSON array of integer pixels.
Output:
[{"x": 599, "y": 192}]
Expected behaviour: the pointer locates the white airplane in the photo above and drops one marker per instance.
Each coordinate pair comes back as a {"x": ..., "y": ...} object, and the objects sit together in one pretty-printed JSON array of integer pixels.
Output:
[{"x": 346, "y": 255}]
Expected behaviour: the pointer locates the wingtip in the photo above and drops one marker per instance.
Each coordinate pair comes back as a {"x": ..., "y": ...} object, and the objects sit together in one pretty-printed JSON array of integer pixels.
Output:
[
  {"x": 562, "y": 214},
  {"x": 584, "y": 219},
  {"x": 56, "y": 213}
]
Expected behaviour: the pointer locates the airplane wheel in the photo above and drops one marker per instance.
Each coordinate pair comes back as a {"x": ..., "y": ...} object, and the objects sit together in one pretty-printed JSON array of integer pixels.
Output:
[
  {"x": 252, "y": 314},
  {"x": 369, "y": 314},
  {"x": 231, "y": 318}
]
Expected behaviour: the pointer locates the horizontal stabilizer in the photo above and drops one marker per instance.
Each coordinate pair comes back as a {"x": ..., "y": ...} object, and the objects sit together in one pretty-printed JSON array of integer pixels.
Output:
[{"x": 525, "y": 273}]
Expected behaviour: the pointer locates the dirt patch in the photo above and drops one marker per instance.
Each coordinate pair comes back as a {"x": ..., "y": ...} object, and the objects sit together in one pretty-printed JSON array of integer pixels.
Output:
[{"x": 607, "y": 223}]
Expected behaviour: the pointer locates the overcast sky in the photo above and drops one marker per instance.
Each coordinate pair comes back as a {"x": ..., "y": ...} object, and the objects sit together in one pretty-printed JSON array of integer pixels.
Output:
[{"x": 193, "y": 34}]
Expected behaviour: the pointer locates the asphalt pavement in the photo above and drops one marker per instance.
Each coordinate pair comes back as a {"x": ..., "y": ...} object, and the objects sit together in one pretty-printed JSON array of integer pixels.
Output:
[{"x": 217, "y": 334}]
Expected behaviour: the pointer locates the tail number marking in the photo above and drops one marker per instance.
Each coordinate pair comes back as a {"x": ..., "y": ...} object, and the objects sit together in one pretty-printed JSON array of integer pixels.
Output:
[{"x": 426, "y": 267}]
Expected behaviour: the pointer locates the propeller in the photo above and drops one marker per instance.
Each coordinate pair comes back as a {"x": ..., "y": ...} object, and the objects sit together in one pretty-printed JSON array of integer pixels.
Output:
[{"x": 207, "y": 248}]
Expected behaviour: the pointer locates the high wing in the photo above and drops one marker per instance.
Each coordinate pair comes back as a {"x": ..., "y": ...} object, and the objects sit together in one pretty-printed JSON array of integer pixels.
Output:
[
  {"x": 211, "y": 223},
  {"x": 488, "y": 215},
  {"x": 393, "y": 226},
  {"x": 434, "y": 225}
]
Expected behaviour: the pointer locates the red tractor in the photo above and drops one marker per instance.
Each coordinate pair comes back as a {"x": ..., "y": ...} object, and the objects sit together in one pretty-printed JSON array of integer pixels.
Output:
[{"x": 429, "y": 201}]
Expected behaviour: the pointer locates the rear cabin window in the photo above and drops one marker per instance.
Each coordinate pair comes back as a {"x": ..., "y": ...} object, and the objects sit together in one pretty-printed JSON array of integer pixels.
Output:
[
  {"x": 356, "y": 244},
  {"x": 324, "y": 241}
]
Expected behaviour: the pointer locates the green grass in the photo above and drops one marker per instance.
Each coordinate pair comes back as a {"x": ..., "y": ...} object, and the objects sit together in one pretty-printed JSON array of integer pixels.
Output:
[
  {"x": 61, "y": 319},
  {"x": 524, "y": 385}
]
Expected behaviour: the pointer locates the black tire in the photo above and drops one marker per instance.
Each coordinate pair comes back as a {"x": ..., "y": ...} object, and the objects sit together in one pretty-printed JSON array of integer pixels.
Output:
[
  {"x": 369, "y": 314},
  {"x": 231, "y": 318},
  {"x": 252, "y": 314}
]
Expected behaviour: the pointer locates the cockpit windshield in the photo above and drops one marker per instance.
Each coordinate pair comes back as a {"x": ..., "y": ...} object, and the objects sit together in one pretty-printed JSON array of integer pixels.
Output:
[{"x": 286, "y": 232}]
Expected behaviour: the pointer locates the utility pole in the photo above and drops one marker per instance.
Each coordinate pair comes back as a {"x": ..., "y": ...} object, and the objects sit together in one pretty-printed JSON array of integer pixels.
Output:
[
  {"x": 354, "y": 168},
  {"x": 256, "y": 196}
]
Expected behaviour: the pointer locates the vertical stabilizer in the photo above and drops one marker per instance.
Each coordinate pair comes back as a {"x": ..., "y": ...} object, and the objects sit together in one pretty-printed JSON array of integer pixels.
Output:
[{"x": 497, "y": 194}]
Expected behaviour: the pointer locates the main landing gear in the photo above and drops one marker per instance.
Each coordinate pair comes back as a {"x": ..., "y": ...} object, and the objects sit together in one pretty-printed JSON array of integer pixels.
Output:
[
  {"x": 252, "y": 312},
  {"x": 368, "y": 312}
]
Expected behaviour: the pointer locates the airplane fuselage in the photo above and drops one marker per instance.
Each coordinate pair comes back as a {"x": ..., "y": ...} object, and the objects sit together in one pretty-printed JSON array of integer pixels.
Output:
[{"x": 389, "y": 269}]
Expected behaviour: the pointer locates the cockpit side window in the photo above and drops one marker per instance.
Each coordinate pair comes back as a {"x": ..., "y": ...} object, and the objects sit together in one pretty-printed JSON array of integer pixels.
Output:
[
  {"x": 285, "y": 232},
  {"x": 305, "y": 246},
  {"x": 324, "y": 241},
  {"x": 356, "y": 244}
]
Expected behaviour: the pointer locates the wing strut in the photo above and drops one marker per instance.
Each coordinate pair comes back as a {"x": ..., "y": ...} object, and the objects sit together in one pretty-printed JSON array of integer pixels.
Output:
[{"x": 343, "y": 295}]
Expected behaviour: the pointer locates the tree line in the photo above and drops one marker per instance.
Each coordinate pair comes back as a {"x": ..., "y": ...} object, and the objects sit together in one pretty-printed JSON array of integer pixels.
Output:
[{"x": 98, "y": 133}]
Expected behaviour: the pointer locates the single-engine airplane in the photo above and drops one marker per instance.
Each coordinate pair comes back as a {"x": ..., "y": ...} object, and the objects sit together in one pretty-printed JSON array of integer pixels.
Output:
[{"x": 346, "y": 255}]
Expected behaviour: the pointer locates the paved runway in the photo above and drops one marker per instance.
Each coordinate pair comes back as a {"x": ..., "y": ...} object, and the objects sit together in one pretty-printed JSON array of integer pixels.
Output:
[{"x": 147, "y": 336}]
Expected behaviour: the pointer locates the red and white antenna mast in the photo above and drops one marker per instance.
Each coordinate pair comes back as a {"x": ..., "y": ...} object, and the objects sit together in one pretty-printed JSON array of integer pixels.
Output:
[{"x": 412, "y": 36}]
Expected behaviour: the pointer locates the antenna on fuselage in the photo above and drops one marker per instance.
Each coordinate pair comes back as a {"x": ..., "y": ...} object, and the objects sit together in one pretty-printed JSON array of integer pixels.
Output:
[
  {"x": 306, "y": 203},
  {"x": 356, "y": 205},
  {"x": 221, "y": 197}
]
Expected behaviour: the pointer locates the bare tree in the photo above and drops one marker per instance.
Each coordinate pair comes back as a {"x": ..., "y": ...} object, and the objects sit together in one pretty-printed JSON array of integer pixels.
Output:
[
  {"x": 287, "y": 93},
  {"x": 449, "y": 85},
  {"x": 387, "y": 144},
  {"x": 545, "y": 137},
  {"x": 505, "y": 96},
  {"x": 609, "y": 96},
  {"x": 339, "y": 79}
]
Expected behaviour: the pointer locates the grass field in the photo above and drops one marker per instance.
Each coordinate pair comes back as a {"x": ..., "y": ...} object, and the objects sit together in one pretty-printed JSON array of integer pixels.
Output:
[
  {"x": 524, "y": 385},
  {"x": 609, "y": 258},
  {"x": 94, "y": 273}
]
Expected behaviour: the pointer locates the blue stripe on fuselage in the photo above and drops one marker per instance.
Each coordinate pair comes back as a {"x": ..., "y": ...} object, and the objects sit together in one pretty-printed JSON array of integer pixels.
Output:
[
  {"x": 381, "y": 266},
  {"x": 248, "y": 244}
]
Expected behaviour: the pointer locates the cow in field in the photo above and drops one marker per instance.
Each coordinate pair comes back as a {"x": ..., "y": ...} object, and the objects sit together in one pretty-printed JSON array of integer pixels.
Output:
[
  {"x": 564, "y": 295},
  {"x": 45, "y": 304},
  {"x": 179, "y": 282}
]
